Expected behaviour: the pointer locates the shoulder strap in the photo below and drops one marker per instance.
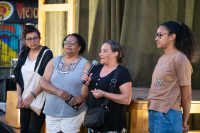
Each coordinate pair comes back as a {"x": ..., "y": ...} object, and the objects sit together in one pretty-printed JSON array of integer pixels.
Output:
[
  {"x": 112, "y": 85},
  {"x": 41, "y": 60}
]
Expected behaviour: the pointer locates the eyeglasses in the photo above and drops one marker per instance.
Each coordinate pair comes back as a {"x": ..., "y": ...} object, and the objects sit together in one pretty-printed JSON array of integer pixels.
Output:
[
  {"x": 72, "y": 43},
  {"x": 34, "y": 39},
  {"x": 159, "y": 35}
]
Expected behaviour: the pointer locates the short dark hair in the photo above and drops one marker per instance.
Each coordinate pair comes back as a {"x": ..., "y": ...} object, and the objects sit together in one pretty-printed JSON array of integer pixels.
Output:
[
  {"x": 116, "y": 47},
  {"x": 29, "y": 29},
  {"x": 185, "y": 41},
  {"x": 81, "y": 42}
]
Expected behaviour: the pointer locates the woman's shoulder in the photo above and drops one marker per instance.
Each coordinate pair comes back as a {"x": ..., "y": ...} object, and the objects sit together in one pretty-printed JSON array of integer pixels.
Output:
[
  {"x": 123, "y": 69},
  {"x": 24, "y": 52},
  {"x": 48, "y": 51},
  {"x": 57, "y": 57},
  {"x": 180, "y": 57},
  {"x": 84, "y": 60}
]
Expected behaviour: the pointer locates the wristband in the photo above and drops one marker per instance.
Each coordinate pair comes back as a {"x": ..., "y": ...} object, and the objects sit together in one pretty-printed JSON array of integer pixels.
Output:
[{"x": 33, "y": 95}]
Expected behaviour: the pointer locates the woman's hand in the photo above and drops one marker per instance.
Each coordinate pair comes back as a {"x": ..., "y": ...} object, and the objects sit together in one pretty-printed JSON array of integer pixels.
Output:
[
  {"x": 78, "y": 99},
  {"x": 86, "y": 78},
  {"x": 27, "y": 101},
  {"x": 185, "y": 128},
  {"x": 63, "y": 94},
  {"x": 98, "y": 93},
  {"x": 19, "y": 102}
]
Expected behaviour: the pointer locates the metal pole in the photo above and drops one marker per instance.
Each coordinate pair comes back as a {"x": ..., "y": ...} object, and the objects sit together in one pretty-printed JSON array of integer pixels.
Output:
[{"x": 1, "y": 23}]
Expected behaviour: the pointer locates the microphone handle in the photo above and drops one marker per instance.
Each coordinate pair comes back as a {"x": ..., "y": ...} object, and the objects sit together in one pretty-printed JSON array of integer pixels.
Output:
[{"x": 89, "y": 72}]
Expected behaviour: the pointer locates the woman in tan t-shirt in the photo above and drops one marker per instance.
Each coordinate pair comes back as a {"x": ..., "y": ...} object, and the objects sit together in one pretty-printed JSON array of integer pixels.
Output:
[{"x": 171, "y": 79}]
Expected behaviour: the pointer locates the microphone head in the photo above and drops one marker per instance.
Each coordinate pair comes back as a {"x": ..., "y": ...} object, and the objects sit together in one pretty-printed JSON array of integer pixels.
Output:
[{"x": 95, "y": 62}]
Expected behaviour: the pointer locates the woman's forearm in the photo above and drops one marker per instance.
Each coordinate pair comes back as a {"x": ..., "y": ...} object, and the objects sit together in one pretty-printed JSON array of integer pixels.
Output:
[
  {"x": 186, "y": 102},
  {"x": 37, "y": 90},
  {"x": 48, "y": 87},
  {"x": 19, "y": 91},
  {"x": 85, "y": 91},
  {"x": 124, "y": 97},
  {"x": 118, "y": 98}
]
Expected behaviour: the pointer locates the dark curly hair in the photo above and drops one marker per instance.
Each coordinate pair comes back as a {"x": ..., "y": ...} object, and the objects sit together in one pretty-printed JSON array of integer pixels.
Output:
[
  {"x": 81, "y": 42},
  {"x": 115, "y": 46},
  {"x": 29, "y": 29},
  {"x": 185, "y": 41}
]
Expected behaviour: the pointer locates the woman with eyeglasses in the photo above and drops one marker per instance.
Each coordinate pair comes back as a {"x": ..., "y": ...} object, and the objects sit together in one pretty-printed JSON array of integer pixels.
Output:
[
  {"x": 65, "y": 106},
  {"x": 171, "y": 80},
  {"x": 27, "y": 64}
]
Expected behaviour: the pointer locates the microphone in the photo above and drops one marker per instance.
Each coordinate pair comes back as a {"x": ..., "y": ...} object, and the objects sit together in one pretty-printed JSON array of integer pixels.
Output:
[{"x": 94, "y": 63}]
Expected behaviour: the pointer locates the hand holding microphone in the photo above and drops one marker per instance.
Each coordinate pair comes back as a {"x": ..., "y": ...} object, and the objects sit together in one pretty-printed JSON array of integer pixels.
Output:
[{"x": 87, "y": 75}]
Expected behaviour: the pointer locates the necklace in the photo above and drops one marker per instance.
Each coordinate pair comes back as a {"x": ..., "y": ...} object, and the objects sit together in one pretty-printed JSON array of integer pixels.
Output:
[{"x": 66, "y": 63}]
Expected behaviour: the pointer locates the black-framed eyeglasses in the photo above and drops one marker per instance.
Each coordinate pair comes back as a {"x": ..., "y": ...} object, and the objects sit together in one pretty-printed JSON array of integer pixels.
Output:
[
  {"x": 34, "y": 39},
  {"x": 72, "y": 43},
  {"x": 159, "y": 35}
]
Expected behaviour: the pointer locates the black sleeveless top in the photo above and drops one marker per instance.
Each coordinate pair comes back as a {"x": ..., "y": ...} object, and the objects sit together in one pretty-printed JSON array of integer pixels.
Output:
[{"x": 115, "y": 119}]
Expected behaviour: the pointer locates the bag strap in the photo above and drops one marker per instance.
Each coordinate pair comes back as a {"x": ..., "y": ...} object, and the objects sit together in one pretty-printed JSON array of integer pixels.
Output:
[
  {"x": 41, "y": 60},
  {"x": 113, "y": 83}
]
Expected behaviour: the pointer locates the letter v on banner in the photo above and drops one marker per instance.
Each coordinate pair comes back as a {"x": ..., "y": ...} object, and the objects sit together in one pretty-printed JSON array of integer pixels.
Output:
[{"x": 19, "y": 9}]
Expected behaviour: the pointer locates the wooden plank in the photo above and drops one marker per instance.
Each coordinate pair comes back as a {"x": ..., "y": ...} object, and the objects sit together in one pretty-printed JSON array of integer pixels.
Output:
[
  {"x": 133, "y": 121},
  {"x": 71, "y": 17},
  {"x": 12, "y": 117},
  {"x": 145, "y": 106},
  {"x": 70, "y": 7},
  {"x": 145, "y": 117},
  {"x": 41, "y": 22},
  {"x": 136, "y": 106},
  {"x": 43, "y": 130},
  {"x": 195, "y": 108},
  {"x": 55, "y": 7},
  {"x": 139, "y": 121},
  {"x": 193, "y": 131}
]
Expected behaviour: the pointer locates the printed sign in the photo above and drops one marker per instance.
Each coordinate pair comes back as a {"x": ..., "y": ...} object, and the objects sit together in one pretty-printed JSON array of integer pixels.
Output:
[
  {"x": 6, "y": 9},
  {"x": 25, "y": 12}
]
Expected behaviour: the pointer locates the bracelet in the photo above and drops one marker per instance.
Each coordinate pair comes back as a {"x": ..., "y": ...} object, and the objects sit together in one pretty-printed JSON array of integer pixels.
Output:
[{"x": 33, "y": 95}]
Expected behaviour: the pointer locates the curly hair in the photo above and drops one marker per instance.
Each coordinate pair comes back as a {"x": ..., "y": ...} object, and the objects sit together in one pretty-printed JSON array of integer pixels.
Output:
[
  {"x": 81, "y": 42},
  {"x": 115, "y": 46},
  {"x": 185, "y": 41},
  {"x": 29, "y": 29}
]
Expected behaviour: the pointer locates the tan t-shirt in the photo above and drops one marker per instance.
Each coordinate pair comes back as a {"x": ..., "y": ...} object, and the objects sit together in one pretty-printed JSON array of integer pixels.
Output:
[{"x": 171, "y": 72}]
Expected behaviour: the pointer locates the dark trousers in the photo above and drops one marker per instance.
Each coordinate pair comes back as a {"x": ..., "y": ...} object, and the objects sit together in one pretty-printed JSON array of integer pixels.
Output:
[{"x": 30, "y": 121}]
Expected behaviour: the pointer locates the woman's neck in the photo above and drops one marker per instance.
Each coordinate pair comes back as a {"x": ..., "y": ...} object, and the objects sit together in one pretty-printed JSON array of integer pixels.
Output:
[
  {"x": 37, "y": 50},
  {"x": 170, "y": 50},
  {"x": 111, "y": 66},
  {"x": 33, "y": 53},
  {"x": 71, "y": 58}
]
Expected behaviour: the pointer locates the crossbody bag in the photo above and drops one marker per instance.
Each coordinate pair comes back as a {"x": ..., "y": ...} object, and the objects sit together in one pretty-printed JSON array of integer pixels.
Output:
[{"x": 94, "y": 117}]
